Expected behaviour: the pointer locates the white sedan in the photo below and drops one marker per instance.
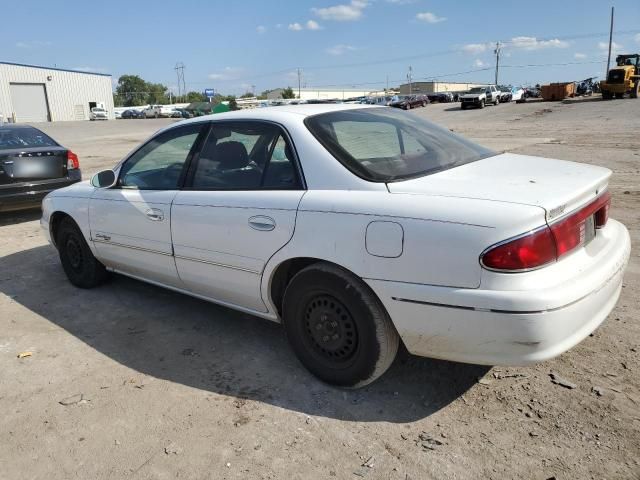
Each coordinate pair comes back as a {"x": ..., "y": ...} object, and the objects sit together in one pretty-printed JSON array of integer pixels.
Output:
[{"x": 357, "y": 227}]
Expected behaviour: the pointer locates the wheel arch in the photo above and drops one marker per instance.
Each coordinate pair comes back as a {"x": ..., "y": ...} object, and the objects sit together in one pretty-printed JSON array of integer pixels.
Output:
[
  {"x": 54, "y": 224},
  {"x": 282, "y": 274}
]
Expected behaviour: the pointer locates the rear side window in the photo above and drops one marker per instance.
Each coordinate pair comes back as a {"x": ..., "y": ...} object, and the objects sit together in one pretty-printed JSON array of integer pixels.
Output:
[
  {"x": 17, "y": 138},
  {"x": 386, "y": 144}
]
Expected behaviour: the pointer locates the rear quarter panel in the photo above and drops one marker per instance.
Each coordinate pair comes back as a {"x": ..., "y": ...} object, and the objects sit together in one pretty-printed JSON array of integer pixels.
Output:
[{"x": 443, "y": 237}]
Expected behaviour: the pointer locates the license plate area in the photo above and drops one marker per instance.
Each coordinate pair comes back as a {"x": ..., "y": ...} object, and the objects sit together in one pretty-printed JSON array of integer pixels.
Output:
[
  {"x": 48, "y": 167},
  {"x": 588, "y": 230}
]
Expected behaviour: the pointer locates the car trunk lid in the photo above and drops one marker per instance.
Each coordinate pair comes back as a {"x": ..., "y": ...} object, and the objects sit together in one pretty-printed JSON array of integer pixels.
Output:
[
  {"x": 33, "y": 164},
  {"x": 557, "y": 186}
]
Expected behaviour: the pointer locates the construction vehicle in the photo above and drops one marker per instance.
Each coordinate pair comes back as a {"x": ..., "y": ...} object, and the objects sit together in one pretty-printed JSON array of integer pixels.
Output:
[{"x": 623, "y": 78}]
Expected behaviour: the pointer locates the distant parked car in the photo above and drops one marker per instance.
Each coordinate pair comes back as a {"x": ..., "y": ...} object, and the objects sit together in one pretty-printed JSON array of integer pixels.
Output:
[
  {"x": 32, "y": 164},
  {"x": 441, "y": 97},
  {"x": 407, "y": 103},
  {"x": 132, "y": 114},
  {"x": 517, "y": 94},
  {"x": 117, "y": 114},
  {"x": 532, "y": 92},
  {"x": 98, "y": 113},
  {"x": 184, "y": 113},
  {"x": 505, "y": 93}
]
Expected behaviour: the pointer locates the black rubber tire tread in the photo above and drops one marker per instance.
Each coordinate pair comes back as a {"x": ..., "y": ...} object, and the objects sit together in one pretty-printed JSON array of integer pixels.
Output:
[
  {"x": 377, "y": 337},
  {"x": 93, "y": 272}
]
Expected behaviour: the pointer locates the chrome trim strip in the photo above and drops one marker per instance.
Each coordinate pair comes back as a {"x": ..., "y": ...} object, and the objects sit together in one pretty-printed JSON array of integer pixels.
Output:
[
  {"x": 132, "y": 247},
  {"x": 216, "y": 264}
]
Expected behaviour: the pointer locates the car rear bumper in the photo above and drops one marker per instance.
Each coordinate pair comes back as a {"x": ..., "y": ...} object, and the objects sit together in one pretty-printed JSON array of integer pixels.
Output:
[
  {"x": 509, "y": 327},
  {"x": 29, "y": 195}
]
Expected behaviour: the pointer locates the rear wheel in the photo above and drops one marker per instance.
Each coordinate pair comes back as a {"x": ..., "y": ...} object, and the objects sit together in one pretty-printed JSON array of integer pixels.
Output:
[
  {"x": 496, "y": 102},
  {"x": 607, "y": 95},
  {"x": 337, "y": 327},
  {"x": 463, "y": 106},
  {"x": 482, "y": 103},
  {"x": 635, "y": 91},
  {"x": 619, "y": 95},
  {"x": 82, "y": 268}
]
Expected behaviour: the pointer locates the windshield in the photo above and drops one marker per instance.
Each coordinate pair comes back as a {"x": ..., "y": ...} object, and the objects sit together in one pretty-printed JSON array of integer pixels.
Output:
[
  {"x": 384, "y": 144},
  {"x": 477, "y": 90},
  {"x": 15, "y": 138}
]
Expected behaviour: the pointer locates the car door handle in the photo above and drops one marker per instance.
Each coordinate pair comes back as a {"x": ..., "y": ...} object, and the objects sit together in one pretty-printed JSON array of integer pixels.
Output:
[
  {"x": 262, "y": 223},
  {"x": 154, "y": 214}
]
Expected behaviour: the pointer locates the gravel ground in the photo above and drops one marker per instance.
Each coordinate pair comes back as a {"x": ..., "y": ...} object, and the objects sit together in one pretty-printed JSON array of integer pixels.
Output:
[{"x": 133, "y": 381}]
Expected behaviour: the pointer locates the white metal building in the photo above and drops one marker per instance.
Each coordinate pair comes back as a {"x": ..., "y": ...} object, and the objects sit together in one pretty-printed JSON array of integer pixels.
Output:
[
  {"x": 437, "y": 87},
  {"x": 30, "y": 93},
  {"x": 320, "y": 93}
]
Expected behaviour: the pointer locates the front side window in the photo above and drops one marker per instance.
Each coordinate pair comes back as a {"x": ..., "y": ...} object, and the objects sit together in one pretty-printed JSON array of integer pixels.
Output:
[
  {"x": 384, "y": 144},
  {"x": 245, "y": 156},
  {"x": 159, "y": 163}
]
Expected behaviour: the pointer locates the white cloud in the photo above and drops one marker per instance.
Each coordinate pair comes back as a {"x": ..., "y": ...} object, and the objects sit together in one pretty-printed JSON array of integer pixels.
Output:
[
  {"x": 532, "y": 43},
  {"x": 342, "y": 13},
  {"x": 604, "y": 46},
  {"x": 401, "y": 2},
  {"x": 340, "y": 49},
  {"x": 479, "y": 63},
  {"x": 225, "y": 74},
  {"x": 476, "y": 47},
  {"x": 296, "y": 27},
  {"x": 429, "y": 17},
  {"x": 579, "y": 56},
  {"x": 33, "y": 44},
  {"x": 312, "y": 25},
  {"x": 261, "y": 29}
]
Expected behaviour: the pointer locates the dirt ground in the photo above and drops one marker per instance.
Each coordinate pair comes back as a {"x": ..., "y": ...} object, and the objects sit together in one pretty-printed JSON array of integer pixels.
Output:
[{"x": 133, "y": 381}]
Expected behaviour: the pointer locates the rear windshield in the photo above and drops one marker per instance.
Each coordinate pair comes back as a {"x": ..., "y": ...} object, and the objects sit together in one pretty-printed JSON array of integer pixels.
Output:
[
  {"x": 12, "y": 138},
  {"x": 385, "y": 144}
]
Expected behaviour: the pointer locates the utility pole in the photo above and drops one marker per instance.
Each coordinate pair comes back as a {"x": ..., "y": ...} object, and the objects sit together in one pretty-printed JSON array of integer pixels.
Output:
[
  {"x": 610, "y": 42},
  {"x": 497, "y": 52},
  {"x": 299, "y": 76},
  {"x": 253, "y": 90},
  {"x": 179, "y": 68},
  {"x": 387, "y": 89},
  {"x": 409, "y": 78}
]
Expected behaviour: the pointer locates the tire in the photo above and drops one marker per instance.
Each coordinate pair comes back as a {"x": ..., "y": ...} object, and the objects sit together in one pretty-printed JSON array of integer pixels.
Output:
[
  {"x": 408, "y": 106},
  {"x": 157, "y": 115},
  {"x": 496, "y": 102},
  {"x": 607, "y": 95},
  {"x": 82, "y": 268},
  {"x": 619, "y": 95},
  {"x": 635, "y": 91},
  {"x": 463, "y": 106},
  {"x": 424, "y": 104},
  {"x": 482, "y": 103},
  {"x": 337, "y": 327}
]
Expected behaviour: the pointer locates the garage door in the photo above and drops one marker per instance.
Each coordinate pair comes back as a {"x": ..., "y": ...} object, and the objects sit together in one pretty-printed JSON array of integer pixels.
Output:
[{"x": 29, "y": 102}]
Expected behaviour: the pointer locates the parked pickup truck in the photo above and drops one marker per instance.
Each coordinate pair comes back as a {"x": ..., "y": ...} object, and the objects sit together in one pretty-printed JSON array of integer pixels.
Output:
[
  {"x": 156, "y": 111},
  {"x": 480, "y": 96}
]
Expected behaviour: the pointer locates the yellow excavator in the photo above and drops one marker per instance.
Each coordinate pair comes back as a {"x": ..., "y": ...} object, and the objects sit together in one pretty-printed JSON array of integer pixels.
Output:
[{"x": 623, "y": 78}]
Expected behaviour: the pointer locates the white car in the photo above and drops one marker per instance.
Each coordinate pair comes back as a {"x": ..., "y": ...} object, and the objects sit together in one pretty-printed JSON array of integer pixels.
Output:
[
  {"x": 98, "y": 113},
  {"x": 357, "y": 227}
]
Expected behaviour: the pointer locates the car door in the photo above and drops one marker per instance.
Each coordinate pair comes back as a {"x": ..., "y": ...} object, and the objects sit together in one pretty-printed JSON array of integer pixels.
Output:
[
  {"x": 131, "y": 222},
  {"x": 236, "y": 210}
]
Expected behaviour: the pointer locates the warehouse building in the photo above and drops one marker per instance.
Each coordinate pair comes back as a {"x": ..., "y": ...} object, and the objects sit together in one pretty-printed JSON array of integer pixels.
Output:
[
  {"x": 30, "y": 93},
  {"x": 436, "y": 87}
]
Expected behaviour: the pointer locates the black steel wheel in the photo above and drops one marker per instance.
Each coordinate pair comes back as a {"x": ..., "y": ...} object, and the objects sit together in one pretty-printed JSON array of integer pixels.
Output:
[
  {"x": 81, "y": 267},
  {"x": 337, "y": 326}
]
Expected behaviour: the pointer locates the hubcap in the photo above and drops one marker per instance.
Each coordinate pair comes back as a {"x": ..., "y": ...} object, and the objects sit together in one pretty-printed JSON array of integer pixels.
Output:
[
  {"x": 330, "y": 328},
  {"x": 74, "y": 253}
]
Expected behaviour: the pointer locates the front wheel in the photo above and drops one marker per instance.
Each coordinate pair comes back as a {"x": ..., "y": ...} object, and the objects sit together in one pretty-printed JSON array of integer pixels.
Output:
[
  {"x": 635, "y": 91},
  {"x": 482, "y": 103},
  {"x": 337, "y": 327},
  {"x": 82, "y": 268}
]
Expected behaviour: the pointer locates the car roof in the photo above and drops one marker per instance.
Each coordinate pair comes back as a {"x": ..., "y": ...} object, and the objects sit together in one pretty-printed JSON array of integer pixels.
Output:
[
  {"x": 278, "y": 112},
  {"x": 17, "y": 125}
]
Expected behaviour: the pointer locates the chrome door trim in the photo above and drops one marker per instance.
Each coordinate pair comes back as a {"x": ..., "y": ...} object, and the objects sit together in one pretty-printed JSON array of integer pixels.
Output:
[{"x": 216, "y": 264}]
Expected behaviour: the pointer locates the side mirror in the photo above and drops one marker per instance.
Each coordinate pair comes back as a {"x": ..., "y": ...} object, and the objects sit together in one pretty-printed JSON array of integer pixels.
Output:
[{"x": 104, "y": 179}]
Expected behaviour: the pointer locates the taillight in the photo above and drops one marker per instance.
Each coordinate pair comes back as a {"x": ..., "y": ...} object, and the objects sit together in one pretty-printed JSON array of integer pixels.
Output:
[
  {"x": 546, "y": 244},
  {"x": 72, "y": 160}
]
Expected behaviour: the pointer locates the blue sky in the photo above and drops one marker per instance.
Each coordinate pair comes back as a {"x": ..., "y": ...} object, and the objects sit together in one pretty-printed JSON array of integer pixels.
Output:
[{"x": 232, "y": 45}]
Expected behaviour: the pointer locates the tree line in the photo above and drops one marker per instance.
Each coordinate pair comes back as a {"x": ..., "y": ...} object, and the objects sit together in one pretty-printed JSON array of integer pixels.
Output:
[{"x": 133, "y": 91}]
